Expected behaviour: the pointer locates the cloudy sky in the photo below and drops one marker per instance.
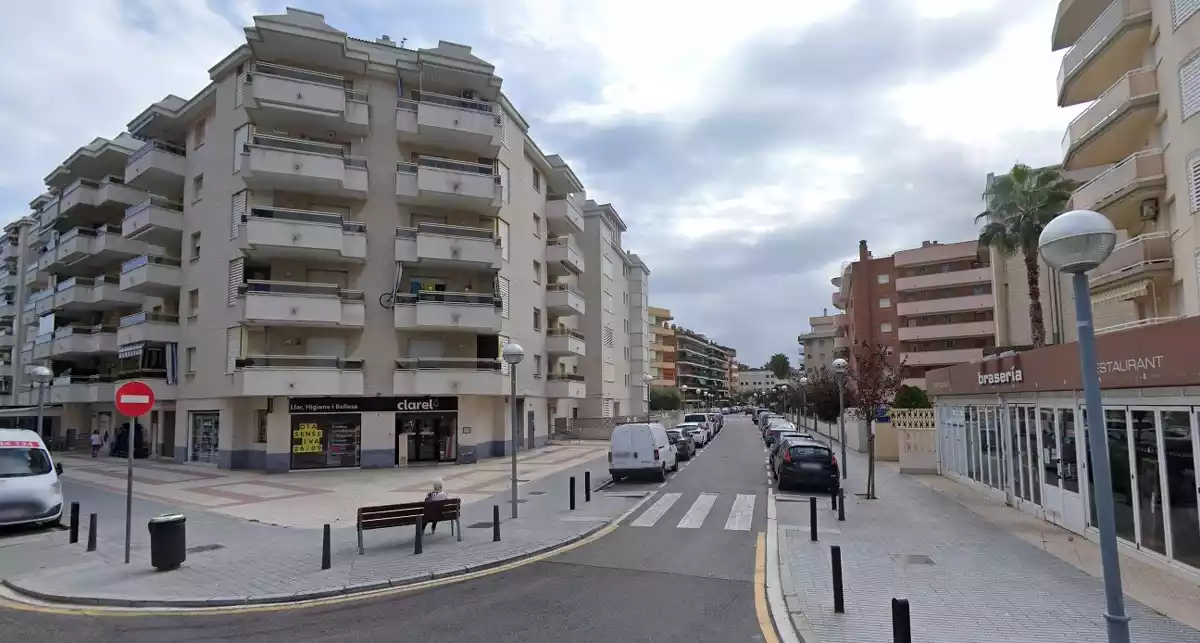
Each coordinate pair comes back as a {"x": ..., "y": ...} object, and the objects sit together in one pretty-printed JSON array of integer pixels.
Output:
[{"x": 748, "y": 146}]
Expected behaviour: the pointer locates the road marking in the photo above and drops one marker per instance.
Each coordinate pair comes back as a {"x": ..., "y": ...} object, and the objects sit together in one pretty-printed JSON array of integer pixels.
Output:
[
  {"x": 760, "y": 592},
  {"x": 699, "y": 511},
  {"x": 742, "y": 513},
  {"x": 656, "y": 510}
]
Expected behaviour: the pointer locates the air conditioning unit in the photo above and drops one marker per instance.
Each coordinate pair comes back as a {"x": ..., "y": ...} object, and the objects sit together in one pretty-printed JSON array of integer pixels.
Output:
[{"x": 1150, "y": 210}]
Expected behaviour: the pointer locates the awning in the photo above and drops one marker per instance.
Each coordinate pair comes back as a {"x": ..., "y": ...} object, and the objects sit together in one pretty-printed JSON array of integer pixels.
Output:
[
  {"x": 127, "y": 351},
  {"x": 1123, "y": 293}
]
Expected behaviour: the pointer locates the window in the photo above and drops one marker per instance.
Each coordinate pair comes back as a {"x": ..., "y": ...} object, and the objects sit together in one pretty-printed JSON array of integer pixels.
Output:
[
  {"x": 1189, "y": 87},
  {"x": 193, "y": 302},
  {"x": 608, "y": 302},
  {"x": 197, "y": 187},
  {"x": 626, "y": 352},
  {"x": 1181, "y": 10},
  {"x": 260, "y": 435},
  {"x": 189, "y": 360},
  {"x": 883, "y": 279},
  {"x": 608, "y": 337},
  {"x": 537, "y": 318},
  {"x": 502, "y": 235},
  {"x": 537, "y": 181},
  {"x": 626, "y": 326},
  {"x": 626, "y": 380},
  {"x": 885, "y": 303},
  {"x": 537, "y": 365},
  {"x": 241, "y": 137},
  {"x": 1193, "y": 166},
  {"x": 885, "y": 327},
  {"x": 537, "y": 272},
  {"x": 199, "y": 133},
  {"x": 625, "y": 298},
  {"x": 195, "y": 246},
  {"x": 537, "y": 225},
  {"x": 502, "y": 288}
]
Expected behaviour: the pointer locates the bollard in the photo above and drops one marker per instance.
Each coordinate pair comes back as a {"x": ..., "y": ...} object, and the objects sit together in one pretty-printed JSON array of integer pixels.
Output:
[
  {"x": 572, "y": 493},
  {"x": 839, "y": 604},
  {"x": 587, "y": 486},
  {"x": 74, "y": 522},
  {"x": 812, "y": 518},
  {"x": 420, "y": 532},
  {"x": 833, "y": 500},
  {"x": 91, "y": 532},
  {"x": 326, "y": 556},
  {"x": 841, "y": 504},
  {"x": 495, "y": 523},
  {"x": 901, "y": 625}
]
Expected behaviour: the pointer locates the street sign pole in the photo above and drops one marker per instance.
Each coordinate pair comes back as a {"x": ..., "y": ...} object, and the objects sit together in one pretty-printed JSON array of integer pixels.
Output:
[
  {"x": 133, "y": 400},
  {"x": 129, "y": 485}
]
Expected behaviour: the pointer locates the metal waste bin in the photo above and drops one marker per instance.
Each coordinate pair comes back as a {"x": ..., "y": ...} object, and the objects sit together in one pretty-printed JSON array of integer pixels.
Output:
[{"x": 168, "y": 541}]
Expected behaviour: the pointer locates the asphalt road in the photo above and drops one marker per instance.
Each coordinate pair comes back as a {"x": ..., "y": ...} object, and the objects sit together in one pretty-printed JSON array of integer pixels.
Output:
[{"x": 681, "y": 568}]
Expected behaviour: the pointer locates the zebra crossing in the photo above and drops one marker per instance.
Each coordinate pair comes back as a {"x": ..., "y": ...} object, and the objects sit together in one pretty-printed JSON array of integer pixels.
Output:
[{"x": 740, "y": 517}]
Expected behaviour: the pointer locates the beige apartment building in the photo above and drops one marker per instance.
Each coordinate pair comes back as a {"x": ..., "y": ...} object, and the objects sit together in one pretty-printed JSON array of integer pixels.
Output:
[
  {"x": 816, "y": 346},
  {"x": 662, "y": 348},
  {"x": 756, "y": 381},
  {"x": 704, "y": 367},
  {"x": 316, "y": 261}
]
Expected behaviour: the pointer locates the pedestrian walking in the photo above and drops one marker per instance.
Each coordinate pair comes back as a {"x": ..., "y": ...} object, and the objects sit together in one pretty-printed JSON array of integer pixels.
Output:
[{"x": 97, "y": 441}]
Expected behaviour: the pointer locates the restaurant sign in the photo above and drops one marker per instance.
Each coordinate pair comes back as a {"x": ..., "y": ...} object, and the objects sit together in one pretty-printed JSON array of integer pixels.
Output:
[{"x": 1011, "y": 376}]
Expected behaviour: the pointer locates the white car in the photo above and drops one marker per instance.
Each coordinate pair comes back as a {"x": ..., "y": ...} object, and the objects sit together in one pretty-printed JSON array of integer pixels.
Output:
[
  {"x": 698, "y": 433},
  {"x": 641, "y": 448},
  {"x": 30, "y": 491},
  {"x": 703, "y": 420}
]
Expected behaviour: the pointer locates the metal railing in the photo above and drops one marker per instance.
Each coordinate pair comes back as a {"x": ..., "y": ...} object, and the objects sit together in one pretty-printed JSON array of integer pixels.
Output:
[
  {"x": 561, "y": 287},
  {"x": 444, "y": 297},
  {"x": 447, "y": 230},
  {"x": 304, "y": 216},
  {"x": 562, "y": 242},
  {"x": 144, "y": 260},
  {"x": 566, "y": 377},
  {"x": 456, "y": 102},
  {"x": 296, "y": 73},
  {"x": 67, "y": 331},
  {"x": 299, "y": 361},
  {"x": 466, "y": 167},
  {"x": 565, "y": 332},
  {"x": 1149, "y": 321},
  {"x": 448, "y": 363},
  {"x": 147, "y": 316},
  {"x": 305, "y": 146},
  {"x": 152, "y": 201},
  {"x": 155, "y": 144}
]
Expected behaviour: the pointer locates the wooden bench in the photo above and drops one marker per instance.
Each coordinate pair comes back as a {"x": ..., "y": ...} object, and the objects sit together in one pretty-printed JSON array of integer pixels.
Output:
[{"x": 408, "y": 513}]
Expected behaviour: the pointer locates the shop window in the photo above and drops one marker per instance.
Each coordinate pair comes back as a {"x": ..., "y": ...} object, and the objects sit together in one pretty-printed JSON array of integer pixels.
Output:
[{"x": 260, "y": 417}]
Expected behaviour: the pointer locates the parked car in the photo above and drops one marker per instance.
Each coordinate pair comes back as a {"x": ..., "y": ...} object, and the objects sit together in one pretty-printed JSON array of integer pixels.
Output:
[
  {"x": 685, "y": 446},
  {"x": 703, "y": 420},
  {"x": 697, "y": 432},
  {"x": 718, "y": 420},
  {"x": 806, "y": 463},
  {"x": 30, "y": 490},
  {"x": 771, "y": 435},
  {"x": 781, "y": 438},
  {"x": 641, "y": 448}
]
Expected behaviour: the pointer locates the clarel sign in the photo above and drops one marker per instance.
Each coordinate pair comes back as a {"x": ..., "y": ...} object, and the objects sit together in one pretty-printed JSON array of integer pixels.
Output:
[{"x": 381, "y": 404}]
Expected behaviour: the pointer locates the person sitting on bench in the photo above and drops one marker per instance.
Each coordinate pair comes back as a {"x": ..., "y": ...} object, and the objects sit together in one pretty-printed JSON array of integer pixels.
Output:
[{"x": 436, "y": 494}]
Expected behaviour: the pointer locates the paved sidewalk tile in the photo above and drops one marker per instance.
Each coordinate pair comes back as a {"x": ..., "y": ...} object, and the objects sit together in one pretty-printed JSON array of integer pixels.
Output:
[{"x": 966, "y": 579}]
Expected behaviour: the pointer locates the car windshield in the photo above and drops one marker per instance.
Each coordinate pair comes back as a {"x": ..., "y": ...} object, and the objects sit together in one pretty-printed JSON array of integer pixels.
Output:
[
  {"x": 22, "y": 459},
  {"x": 694, "y": 417},
  {"x": 808, "y": 451}
]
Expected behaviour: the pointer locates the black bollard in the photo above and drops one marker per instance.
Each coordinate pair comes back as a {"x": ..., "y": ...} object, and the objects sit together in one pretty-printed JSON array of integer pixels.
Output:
[
  {"x": 420, "y": 532},
  {"x": 495, "y": 523},
  {"x": 91, "y": 532},
  {"x": 841, "y": 504},
  {"x": 587, "y": 486},
  {"x": 839, "y": 604},
  {"x": 901, "y": 625},
  {"x": 833, "y": 499},
  {"x": 572, "y": 493},
  {"x": 74, "y": 522},
  {"x": 326, "y": 555},
  {"x": 812, "y": 518}
]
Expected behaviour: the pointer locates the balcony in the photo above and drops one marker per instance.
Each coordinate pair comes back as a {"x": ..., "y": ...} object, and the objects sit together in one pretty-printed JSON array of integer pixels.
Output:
[
  {"x": 1073, "y": 18},
  {"x": 945, "y": 279},
  {"x": 662, "y": 348},
  {"x": 841, "y": 343},
  {"x": 563, "y": 257},
  {"x": 565, "y": 215},
  {"x": 287, "y": 98},
  {"x": 88, "y": 250},
  {"x": 300, "y": 165},
  {"x": 933, "y": 253},
  {"x": 449, "y": 184},
  {"x": 1115, "y": 43},
  {"x": 145, "y": 326},
  {"x": 80, "y": 389},
  {"x": 452, "y": 311},
  {"x": 81, "y": 294},
  {"x": 947, "y": 331},
  {"x": 34, "y": 276},
  {"x": 41, "y": 346},
  {"x": 283, "y": 303},
  {"x": 288, "y": 375},
  {"x": 71, "y": 342},
  {"x": 563, "y": 300},
  {"x": 8, "y": 310},
  {"x": 8, "y": 280},
  {"x": 839, "y": 300},
  {"x": 7, "y": 341},
  {"x": 565, "y": 342},
  {"x": 302, "y": 235},
  {"x": 1119, "y": 192},
  {"x": 449, "y": 376},
  {"x": 1150, "y": 321},
  {"x": 158, "y": 168},
  {"x": 91, "y": 202},
  {"x": 566, "y": 386},
  {"x": 943, "y": 358},
  {"x": 450, "y": 122},
  {"x": 1142, "y": 258},
  {"x": 42, "y": 301},
  {"x": 10, "y": 250},
  {"x": 970, "y": 303},
  {"x": 1114, "y": 126},
  {"x": 437, "y": 245},
  {"x": 152, "y": 275},
  {"x": 154, "y": 220}
]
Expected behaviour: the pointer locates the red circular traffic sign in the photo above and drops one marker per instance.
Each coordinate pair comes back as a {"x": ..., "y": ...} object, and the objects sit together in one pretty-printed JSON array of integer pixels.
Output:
[{"x": 134, "y": 399}]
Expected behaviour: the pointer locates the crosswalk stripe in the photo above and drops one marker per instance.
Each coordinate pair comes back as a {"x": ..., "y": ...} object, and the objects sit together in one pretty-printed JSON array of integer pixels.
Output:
[
  {"x": 656, "y": 511},
  {"x": 742, "y": 513},
  {"x": 698, "y": 512}
]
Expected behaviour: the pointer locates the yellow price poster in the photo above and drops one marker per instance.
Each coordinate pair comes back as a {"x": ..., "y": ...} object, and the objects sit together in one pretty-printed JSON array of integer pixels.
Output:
[{"x": 307, "y": 437}]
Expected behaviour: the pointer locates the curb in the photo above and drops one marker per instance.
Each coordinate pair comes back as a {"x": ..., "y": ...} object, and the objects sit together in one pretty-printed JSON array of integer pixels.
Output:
[{"x": 302, "y": 596}]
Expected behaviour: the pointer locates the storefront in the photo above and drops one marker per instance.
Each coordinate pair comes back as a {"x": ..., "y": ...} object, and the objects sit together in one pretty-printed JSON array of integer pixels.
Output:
[
  {"x": 1017, "y": 425},
  {"x": 327, "y": 432}
]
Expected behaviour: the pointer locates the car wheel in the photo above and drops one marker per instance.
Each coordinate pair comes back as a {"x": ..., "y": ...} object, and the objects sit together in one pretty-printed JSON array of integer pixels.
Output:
[
  {"x": 676, "y": 466},
  {"x": 662, "y": 473}
]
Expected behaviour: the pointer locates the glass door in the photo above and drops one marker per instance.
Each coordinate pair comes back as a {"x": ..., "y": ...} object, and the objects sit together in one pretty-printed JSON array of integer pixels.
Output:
[
  {"x": 1181, "y": 448},
  {"x": 205, "y": 432},
  {"x": 1148, "y": 491},
  {"x": 1016, "y": 423},
  {"x": 1050, "y": 445}
]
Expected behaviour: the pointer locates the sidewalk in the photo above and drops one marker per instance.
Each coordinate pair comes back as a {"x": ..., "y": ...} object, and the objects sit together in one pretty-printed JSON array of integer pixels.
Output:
[
  {"x": 234, "y": 562},
  {"x": 967, "y": 577}
]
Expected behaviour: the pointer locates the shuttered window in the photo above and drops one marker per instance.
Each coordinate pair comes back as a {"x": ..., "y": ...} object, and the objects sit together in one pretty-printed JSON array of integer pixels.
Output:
[
  {"x": 503, "y": 127},
  {"x": 608, "y": 408},
  {"x": 608, "y": 337},
  {"x": 505, "y": 182},
  {"x": 236, "y": 278},
  {"x": 503, "y": 364},
  {"x": 610, "y": 370},
  {"x": 502, "y": 235},
  {"x": 1181, "y": 10},
  {"x": 239, "y": 90},
  {"x": 502, "y": 283},
  {"x": 233, "y": 347},
  {"x": 237, "y": 212},
  {"x": 1189, "y": 87},
  {"x": 1193, "y": 167},
  {"x": 241, "y": 136}
]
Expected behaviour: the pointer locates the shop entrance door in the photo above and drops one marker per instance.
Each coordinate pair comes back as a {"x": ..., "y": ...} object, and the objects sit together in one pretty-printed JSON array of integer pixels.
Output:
[
  {"x": 205, "y": 431},
  {"x": 427, "y": 437}
]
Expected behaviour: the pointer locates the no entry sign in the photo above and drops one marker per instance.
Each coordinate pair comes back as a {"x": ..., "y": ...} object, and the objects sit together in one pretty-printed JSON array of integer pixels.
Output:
[{"x": 134, "y": 399}]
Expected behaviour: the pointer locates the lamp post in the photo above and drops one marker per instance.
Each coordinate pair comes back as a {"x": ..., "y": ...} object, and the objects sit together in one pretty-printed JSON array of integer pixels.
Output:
[
  {"x": 513, "y": 354},
  {"x": 840, "y": 366},
  {"x": 1076, "y": 242},
  {"x": 683, "y": 389},
  {"x": 803, "y": 402},
  {"x": 41, "y": 376},
  {"x": 783, "y": 390},
  {"x": 647, "y": 378}
]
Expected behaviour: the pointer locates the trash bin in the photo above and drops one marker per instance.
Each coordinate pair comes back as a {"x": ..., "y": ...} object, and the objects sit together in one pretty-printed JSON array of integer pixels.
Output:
[{"x": 168, "y": 541}]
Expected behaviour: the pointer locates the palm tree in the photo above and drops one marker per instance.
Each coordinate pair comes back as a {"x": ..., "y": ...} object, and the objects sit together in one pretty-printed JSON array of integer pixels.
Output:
[{"x": 1019, "y": 205}]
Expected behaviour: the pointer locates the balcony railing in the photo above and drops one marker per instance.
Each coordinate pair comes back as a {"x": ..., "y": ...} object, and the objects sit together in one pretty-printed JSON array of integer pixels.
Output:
[
  {"x": 456, "y": 102},
  {"x": 561, "y": 287},
  {"x": 1150, "y": 321},
  {"x": 566, "y": 332},
  {"x": 1098, "y": 33},
  {"x": 152, "y": 201},
  {"x": 1144, "y": 252},
  {"x": 300, "y": 288},
  {"x": 566, "y": 377},
  {"x": 144, "y": 260},
  {"x": 147, "y": 316},
  {"x": 67, "y": 331},
  {"x": 1135, "y": 83},
  {"x": 448, "y": 363},
  {"x": 305, "y": 216},
  {"x": 290, "y": 362},
  {"x": 1142, "y": 165},
  {"x": 444, "y": 297},
  {"x": 287, "y": 144},
  {"x": 153, "y": 145}
]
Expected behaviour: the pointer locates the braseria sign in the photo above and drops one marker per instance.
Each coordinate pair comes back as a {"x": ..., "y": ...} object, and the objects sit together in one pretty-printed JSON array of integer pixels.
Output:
[{"x": 1011, "y": 376}]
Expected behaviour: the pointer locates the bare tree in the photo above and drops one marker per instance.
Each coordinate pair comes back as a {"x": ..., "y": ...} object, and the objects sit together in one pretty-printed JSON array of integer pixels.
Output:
[{"x": 875, "y": 379}]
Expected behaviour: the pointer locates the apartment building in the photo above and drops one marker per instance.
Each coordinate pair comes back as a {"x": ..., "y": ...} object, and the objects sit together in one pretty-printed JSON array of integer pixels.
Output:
[
  {"x": 861, "y": 287},
  {"x": 662, "y": 348},
  {"x": 756, "y": 380},
  {"x": 816, "y": 346},
  {"x": 317, "y": 261},
  {"x": 703, "y": 367}
]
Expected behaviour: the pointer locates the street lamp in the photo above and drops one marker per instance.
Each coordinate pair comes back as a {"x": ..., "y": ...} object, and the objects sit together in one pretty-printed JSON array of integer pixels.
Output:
[
  {"x": 1076, "y": 242},
  {"x": 683, "y": 392},
  {"x": 803, "y": 402},
  {"x": 513, "y": 354},
  {"x": 41, "y": 375},
  {"x": 647, "y": 378},
  {"x": 783, "y": 388},
  {"x": 840, "y": 366}
]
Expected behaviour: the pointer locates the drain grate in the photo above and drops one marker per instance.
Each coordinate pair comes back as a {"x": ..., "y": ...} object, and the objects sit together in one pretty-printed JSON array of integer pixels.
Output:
[
  {"x": 202, "y": 548},
  {"x": 535, "y": 493},
  {"x": 518, "y": 502},
  {"x": 479, "y": 525},
  {"x": 913, "y": 559}
]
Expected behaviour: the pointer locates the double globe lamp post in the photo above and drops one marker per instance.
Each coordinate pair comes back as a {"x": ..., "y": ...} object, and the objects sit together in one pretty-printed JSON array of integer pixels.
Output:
[{"x": 1076, "y": 242}]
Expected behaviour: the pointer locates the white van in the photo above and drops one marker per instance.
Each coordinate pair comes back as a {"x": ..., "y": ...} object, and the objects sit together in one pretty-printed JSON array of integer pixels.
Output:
[
  {"x": 641, "y": 448},
  {"x": 30, "y": 491}
]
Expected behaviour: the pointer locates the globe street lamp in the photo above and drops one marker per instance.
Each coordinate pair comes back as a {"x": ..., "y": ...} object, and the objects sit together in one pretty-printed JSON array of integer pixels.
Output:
[
  {"x": 513, "y": 354},
  {"x": 1076, "y": 242},
  {"x": 804, "y": 402},
  {"x": 41, "y": 376},
  {"x": 683, "y": 393},
  {"x": 647, "y": 378},
  {"x": 840, "y": 367},
  {"x": 783, "y": 389}
]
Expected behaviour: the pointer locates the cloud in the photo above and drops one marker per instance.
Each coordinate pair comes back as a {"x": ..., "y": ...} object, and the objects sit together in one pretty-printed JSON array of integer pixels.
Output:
[{"x": 749, "y": 149}]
